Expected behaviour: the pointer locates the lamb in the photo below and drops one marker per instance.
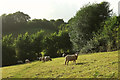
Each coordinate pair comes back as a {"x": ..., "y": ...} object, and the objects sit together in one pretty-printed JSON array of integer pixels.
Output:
[
  {"x": 27, "y": 61},
  {"x": 63, "y": 55},
  {"x": 40, "y": 58},
  {"x": 47, "y": 58},
  {"x": 71, "y": 58},
  {"x": 43, "y": 59},
  {"x": 20, "y": 62}
]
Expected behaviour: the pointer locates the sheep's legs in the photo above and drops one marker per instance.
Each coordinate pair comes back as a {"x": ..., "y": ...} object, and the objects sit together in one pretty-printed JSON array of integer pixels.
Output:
[
  {"x": 65, "y": 62},
  {"x": 74, "y": 61}
]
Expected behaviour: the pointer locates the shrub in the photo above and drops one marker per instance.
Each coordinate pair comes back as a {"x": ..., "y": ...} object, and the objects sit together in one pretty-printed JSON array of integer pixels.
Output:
[
  {"x": 8, "y": 51},
  {"x": 37, "y": 42},
  {"x": 23, "y": 47}
]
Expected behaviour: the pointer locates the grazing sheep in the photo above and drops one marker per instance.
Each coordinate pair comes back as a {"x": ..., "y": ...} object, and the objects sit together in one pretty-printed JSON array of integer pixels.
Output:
[
  {"x": 27, "y": 61},
  {"x": 43, "y": 59},
  {"x": 20, "y": 62},
  {"x": 63, "y": 55},
  {"x": 47, "y": 58},
  {"x": 40, "y": 58},
  {"x": 71, "y": 58}
]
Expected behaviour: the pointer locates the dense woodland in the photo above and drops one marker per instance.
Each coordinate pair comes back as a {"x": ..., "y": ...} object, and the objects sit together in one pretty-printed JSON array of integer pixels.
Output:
[{"x": 94, "y": 28}]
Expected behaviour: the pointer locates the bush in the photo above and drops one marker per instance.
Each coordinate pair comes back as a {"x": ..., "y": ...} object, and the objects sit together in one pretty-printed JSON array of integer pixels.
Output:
[
  {"x": 23, "y": 47},
  {"x": 56, "y": 44},
  {"x": 50, "y": 45},
  {"x": 106, "y": 39},
  {"x": 86, "y": 21},
  {"x": 8, "y": 51},
  {"x": 37, "y": 42}
]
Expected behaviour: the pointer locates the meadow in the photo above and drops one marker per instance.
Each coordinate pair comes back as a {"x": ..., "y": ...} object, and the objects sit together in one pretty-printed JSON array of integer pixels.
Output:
[{"x": 93, "y": 65}]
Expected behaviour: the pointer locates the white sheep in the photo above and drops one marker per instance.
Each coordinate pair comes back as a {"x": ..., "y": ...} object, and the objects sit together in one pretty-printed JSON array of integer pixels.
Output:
[
  {"x": 47, "y": 58},
  {"x": 27, "y": 61},
  {"x": 20, "y": 62},
  {"x": 40, "y": 58},
  {"x": 63, "y": 55},
  {"x": 71, "y": 58}
]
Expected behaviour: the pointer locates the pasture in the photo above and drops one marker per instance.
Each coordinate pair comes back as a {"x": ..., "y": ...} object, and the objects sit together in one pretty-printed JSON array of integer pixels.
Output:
[{"x": 94, "y": 65}]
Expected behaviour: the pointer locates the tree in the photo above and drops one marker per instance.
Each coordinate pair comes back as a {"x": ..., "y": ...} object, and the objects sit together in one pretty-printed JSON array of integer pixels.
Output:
[
  {"x": 37, "y": 42},
  {"x": 42, "y": 24},
  {"x": 86, "y": 21},
  {"x": 110, "y": 33},
  {"x": 106, "y": 39},
  {"x": 15, "y": 21},
  {"x": 64, "y": 43},
  {"x": 8, "y": 51},
  {"x": 58, "y": 22},
  {"x": 23, "y": 47},
  {"x": 20, "y": 17},
  {"x": 50, "y": 45},
  {"x": 56, "y": 44}
]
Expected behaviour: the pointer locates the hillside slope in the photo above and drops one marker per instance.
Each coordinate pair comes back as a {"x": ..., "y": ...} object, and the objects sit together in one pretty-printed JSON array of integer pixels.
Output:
[{"x": 101, "y": 65}]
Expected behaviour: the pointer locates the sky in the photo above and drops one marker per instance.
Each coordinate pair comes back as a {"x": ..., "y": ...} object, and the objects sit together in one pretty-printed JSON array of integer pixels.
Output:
[{"x": 50, "y": 9}]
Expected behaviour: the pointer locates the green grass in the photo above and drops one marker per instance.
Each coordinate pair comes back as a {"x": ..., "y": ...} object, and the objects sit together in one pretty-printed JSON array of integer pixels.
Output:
[{"x": 95, "y": 65}]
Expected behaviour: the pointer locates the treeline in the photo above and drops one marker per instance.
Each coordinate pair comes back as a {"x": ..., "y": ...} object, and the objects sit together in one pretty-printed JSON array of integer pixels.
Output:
[
  {"x": 19, "y": 22},
  {"x": 35, "y": 45},
  {"x": 94, "y": 28}
]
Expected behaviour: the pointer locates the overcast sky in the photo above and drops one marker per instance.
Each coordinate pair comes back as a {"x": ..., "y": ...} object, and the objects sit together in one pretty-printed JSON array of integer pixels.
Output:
[{"x": 49, "y": 9}]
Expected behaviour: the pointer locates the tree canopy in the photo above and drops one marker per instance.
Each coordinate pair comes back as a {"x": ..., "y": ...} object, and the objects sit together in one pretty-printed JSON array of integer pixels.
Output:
[{"x": 86, "y": 21}]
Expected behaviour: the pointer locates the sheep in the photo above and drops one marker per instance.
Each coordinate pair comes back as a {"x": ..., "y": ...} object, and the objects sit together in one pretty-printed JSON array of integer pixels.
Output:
[
  {"x": 43, "y": 59},
  {"x": 71, "y": 58},
  {"x": 40, "y": 58},
  {"x": 20, "y": 62},
  {"x": 63, "y": 55},
  {"x": 27, "y": 61},
  {"x": 47, "y": 58}
]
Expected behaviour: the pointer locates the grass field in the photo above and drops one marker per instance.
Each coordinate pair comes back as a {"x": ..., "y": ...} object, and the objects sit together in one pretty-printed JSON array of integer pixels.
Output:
[{"x": 99, "y": 65}]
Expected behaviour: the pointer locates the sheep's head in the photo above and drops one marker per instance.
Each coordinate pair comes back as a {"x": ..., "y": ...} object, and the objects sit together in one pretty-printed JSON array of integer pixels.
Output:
[{"x": 76, "y": 55}]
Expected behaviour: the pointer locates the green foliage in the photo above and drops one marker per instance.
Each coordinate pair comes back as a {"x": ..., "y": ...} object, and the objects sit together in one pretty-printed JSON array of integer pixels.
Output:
[
  {"x": 64, "y": 42},
  {"x": 50, "y": 45},
  {"x": 64, "y": 27},
  {"x": 37, "y": 42},
  {"x": 8, "y": 51},
  {"x": 106, "y": 39},
  {"x": 23, "y": 47},
  {"x": 87, "y": 20},
  {"x": 110, "y": 32},
  {"x": 42, "y": 24},
  {"x": 19, "y": 23},
  {"x": 58, "y": 22},
  {"x": 16, "y": 21},
  {"x": 56, "y": 44},
  {"x": 32, "y": 46}
]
